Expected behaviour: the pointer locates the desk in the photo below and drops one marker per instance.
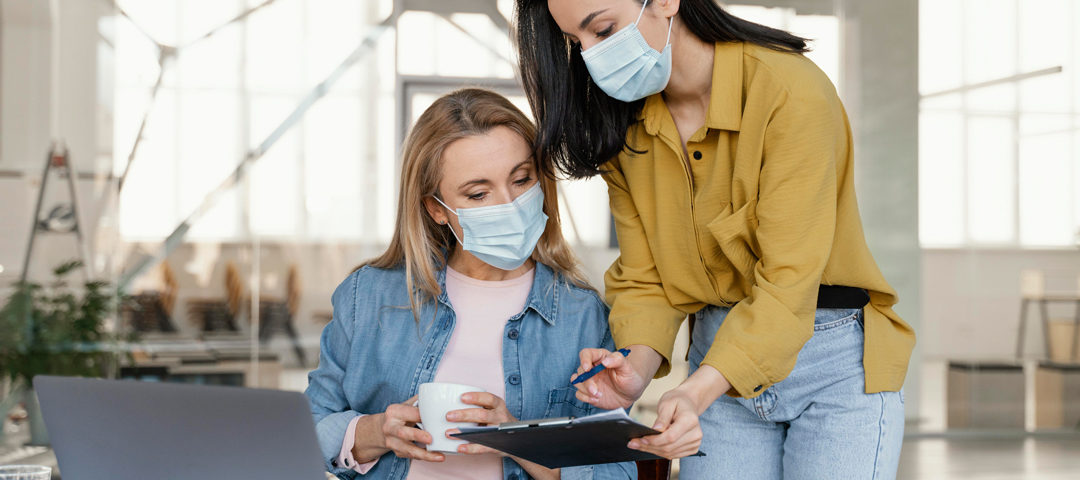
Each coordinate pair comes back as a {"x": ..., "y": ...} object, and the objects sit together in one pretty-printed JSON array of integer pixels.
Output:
[
  {"x": 220, "y": 362},
  {"x": 1043, "y": 301}
]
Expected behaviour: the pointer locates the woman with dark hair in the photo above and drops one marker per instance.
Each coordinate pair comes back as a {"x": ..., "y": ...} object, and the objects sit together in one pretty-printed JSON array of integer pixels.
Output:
[{"x": 729, "y": 164}]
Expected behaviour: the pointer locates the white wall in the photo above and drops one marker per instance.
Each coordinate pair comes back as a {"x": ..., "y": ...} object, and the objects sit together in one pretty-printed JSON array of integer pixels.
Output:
[
  {"x": 25, "y": 127},
  {"x": 971, "y": 306}
]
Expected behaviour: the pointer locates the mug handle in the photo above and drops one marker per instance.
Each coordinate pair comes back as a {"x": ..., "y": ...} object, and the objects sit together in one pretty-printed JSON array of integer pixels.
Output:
[{"x": 417, "y": 404}]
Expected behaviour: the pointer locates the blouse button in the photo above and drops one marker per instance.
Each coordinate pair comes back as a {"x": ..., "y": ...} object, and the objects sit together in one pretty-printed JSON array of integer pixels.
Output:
[
  {"x": 697, "y": 155},
  {"x": 757, "y": 388}
]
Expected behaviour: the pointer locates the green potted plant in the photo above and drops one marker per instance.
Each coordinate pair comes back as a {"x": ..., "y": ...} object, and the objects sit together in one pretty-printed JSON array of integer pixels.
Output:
[{"x": 54, "y": 329}]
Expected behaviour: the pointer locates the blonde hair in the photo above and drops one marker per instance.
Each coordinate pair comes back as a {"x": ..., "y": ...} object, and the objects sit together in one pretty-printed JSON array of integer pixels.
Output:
[{"x": 421, "y": 243}]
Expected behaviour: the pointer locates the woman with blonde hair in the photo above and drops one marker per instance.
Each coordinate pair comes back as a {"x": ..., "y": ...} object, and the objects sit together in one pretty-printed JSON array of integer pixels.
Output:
[{"x": 477, "y": 287}]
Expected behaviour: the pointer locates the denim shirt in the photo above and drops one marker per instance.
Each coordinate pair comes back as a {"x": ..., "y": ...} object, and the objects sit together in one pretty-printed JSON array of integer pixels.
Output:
[{"x": 374, "y": 354}]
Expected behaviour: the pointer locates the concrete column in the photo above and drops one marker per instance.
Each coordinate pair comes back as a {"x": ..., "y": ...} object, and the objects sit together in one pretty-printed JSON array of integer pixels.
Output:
[{"x": 880, "y": 90}]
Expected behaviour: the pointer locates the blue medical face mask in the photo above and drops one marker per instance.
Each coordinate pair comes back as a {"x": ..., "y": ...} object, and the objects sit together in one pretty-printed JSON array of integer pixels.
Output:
[
  {"x": 503, "y": 236},
  {"x": 624, "y": 65}
]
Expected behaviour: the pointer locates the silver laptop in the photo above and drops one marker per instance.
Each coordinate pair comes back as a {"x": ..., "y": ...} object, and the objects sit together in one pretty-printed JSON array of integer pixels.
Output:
[{"x": 123, "y": 429}]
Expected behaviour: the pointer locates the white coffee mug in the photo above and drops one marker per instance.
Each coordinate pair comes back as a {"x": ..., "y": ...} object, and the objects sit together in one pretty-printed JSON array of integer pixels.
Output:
[{"x": 436, "y": 400}]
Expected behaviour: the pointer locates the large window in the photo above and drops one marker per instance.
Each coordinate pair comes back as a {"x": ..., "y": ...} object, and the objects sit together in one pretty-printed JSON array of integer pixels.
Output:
[
  {"x": 998, "y": 147},
  {"x": 222, "y": 95},
  {"x": 333, "y": 176}
]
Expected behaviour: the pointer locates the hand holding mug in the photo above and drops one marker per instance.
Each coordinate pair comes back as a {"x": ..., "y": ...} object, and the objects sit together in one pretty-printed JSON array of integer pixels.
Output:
[
  {"x": 400, "y": 434},
  {"x": 491, "y": 411},
  {"x": 436, "y": 401}
]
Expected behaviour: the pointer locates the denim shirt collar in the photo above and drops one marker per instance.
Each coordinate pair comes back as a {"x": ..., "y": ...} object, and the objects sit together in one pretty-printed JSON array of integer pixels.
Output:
[{"x": 543, "y": 295}]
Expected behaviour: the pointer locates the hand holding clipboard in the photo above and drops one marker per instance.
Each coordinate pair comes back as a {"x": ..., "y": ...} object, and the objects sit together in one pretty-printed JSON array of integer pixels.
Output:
[
  {"x": 566, "y": 442},
  {"x": 621, "y": 380}
]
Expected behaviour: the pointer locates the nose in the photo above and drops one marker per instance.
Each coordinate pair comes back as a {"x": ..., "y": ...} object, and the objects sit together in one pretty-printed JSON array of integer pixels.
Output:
[
  {"x": 587, "y": 44},
  {"x": 503, "y": 195}
]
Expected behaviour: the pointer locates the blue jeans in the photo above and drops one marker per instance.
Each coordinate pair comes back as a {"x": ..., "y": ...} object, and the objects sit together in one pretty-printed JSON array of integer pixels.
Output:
[{"x": 815, "y": 424}]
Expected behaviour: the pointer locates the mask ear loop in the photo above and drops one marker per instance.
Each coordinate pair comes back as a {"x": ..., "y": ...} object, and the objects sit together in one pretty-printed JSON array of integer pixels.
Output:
[
  {"x": 448, "y": 225},
  {"x": 643, "y": 4},
  {"x": 671, "y": 21}
]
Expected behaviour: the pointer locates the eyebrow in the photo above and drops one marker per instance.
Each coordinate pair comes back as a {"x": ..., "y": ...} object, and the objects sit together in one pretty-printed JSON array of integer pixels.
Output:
[
  {"x": 478, "y": 181},
  {"x": 484, "y": 181},
  {"x": 589, "y": 18}
]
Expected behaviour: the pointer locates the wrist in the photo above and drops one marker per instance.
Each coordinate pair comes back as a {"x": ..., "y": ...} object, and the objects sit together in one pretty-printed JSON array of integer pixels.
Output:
[
  {"x": 705, "y": 386},
  {"x": 369, "y": 442},
  {"x": 645, "y": 360}
]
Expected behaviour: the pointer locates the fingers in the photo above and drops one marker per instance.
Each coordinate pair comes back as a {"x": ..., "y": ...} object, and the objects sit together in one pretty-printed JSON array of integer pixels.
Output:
[
  {"x": 590, "y": 357},
  {"x": 482, "y": 399},
  {"x": 680, "y": 438},
  {"x": 584, "y": 396},
  {"x": 664, "y": 413},
  {"x": 673, "y": 435},
  {"x": 410, "y": 434},
  {"x": 614, "y": 360},
  {"x": 403, "y": 413},
  {"x": 476, "y": 449},
  {"x": 471, "y": 448},
  {"x": 473, "y": 415},
  {"x": 405, "y": 449}
]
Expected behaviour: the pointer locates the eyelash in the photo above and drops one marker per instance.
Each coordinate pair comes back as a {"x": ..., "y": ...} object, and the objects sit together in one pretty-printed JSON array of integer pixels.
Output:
[
  {"x": 601, "y": 34},
  {"x": 481, "y": 195}
]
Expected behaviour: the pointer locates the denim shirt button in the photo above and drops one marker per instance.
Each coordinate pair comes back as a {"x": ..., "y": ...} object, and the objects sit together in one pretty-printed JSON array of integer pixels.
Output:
[
  {"x": 512, "y": 476},
  {"x": 514, "y": 379},
  {"x": 513, "y": 334}
]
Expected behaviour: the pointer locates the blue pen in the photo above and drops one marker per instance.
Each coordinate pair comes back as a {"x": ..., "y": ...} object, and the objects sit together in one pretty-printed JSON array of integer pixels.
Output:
[{"x": 597, "y": 369}]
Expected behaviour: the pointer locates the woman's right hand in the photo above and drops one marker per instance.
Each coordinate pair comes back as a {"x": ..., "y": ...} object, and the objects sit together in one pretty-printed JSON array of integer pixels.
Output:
[
  {"x": 398, "y": 433},
  {"x": 623, "y": 379}
]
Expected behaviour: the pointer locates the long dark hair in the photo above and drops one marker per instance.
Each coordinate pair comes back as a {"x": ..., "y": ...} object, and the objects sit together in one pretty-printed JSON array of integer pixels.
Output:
[{"x": 580, "y": 126}]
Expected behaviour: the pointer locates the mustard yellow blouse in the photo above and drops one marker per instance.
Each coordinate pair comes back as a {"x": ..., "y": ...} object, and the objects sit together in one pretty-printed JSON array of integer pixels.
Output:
[{"x": 761, "y": 213}]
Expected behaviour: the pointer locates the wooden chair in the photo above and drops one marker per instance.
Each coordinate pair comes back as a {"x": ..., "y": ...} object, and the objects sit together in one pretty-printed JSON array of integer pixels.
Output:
[
  {"x": 220, "y": 314},
  {"x": 151, "y": 311},
  {"x": 276, "y": 315},
  {"x": 654, "y": 469}
]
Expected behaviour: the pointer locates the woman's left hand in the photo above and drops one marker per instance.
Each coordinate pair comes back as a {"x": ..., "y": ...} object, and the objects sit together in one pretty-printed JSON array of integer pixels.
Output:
[
  {"x": 677, "y": 420},
  {"x": 491, "y": 411},
  {"x": 677, "y": 415}
]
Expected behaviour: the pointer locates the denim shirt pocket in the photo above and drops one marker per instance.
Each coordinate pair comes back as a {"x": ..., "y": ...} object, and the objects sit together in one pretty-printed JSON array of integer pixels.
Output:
[
  {"x": 563, "y": 403},
  {"x": 733, "y": 231}
]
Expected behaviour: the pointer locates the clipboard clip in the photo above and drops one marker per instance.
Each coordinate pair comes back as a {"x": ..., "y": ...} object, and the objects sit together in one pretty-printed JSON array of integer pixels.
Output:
[{"x": 535, "y": 423}]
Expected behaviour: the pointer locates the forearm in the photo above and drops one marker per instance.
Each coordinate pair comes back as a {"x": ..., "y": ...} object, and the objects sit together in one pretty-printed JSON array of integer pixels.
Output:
[
  {"x": 369, "y": 444},
  {"x": 705, "y": 386},
  {"x": 645, "y": 360}
]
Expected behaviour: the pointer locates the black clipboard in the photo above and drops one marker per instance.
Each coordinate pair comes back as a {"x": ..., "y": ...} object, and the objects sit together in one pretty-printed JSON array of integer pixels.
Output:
[{"x": 566, "y": 441}]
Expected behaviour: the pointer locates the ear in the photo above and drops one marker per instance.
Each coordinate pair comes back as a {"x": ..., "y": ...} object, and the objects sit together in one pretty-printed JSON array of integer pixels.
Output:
[
  {"x": 435, "y": 210},
  {"x": 668, "y": 8}
]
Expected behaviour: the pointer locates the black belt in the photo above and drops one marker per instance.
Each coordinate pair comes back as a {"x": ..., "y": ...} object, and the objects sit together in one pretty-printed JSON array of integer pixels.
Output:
[
  {"x": 839, "y": 296},
  {"x": 829, "y": 296}
]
